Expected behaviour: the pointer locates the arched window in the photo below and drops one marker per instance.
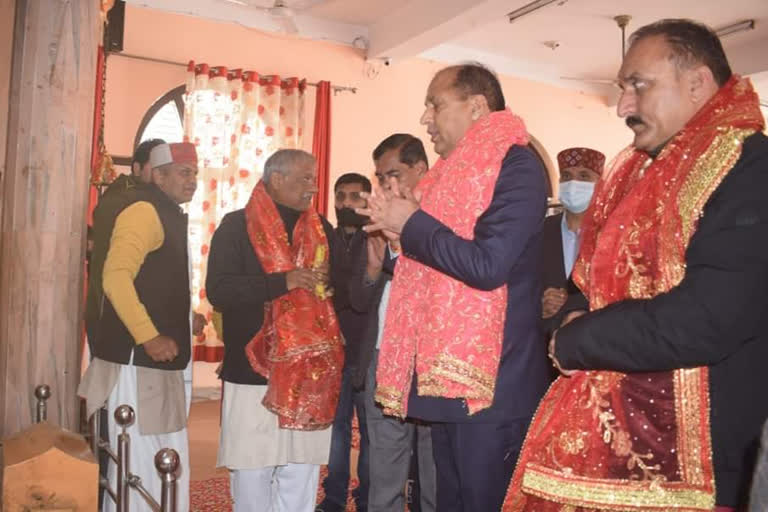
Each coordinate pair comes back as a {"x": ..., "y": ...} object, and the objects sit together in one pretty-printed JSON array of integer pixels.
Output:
[
  {"x": 550, "y": 172},
  {"x": 164, "y": 119}
]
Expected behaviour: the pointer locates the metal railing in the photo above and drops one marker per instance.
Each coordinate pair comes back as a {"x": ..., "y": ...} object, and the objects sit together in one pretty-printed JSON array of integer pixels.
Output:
[
  {"x": 42, "y": 393},
  {"x": 166, "y": 460}
]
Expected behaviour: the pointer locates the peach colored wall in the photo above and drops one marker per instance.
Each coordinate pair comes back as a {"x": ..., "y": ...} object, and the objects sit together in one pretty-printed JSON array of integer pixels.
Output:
[{"x": 393, "y": 101}]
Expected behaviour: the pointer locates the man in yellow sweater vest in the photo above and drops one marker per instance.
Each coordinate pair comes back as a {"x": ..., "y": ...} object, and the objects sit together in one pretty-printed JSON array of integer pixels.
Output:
[{"x": 138, "y": 314}]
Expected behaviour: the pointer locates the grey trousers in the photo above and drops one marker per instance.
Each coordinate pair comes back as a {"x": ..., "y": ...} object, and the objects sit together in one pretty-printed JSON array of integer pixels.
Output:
[
  {"x": 391, "y": 441},
  {"x": 758, "y": 501}
]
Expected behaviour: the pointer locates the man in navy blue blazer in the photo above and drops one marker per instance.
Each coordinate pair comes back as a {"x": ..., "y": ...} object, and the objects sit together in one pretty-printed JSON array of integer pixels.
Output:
[{"x": 475, "y": 455}]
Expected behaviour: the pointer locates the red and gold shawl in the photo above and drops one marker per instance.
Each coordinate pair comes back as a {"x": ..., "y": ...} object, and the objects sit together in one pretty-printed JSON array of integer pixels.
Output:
[
  {"x": 446, "y": 331},
  {"x": 603, "y": 440},
  {"x": 299, "y": 347}
]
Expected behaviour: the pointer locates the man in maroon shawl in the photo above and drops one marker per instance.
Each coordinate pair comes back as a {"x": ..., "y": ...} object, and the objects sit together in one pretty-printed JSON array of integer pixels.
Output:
[{"x": 658, "y": 411}]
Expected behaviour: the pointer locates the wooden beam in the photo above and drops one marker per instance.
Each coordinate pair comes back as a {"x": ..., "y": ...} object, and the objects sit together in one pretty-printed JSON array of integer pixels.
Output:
[
  {"x": 7, "y": 11},
  {"x": 45, "y": 197}
]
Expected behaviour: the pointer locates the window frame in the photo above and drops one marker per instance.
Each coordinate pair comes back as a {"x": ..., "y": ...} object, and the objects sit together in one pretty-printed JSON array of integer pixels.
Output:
[
  {"x": 546, "y": 164},
  {"x": 176, "y": 95}
]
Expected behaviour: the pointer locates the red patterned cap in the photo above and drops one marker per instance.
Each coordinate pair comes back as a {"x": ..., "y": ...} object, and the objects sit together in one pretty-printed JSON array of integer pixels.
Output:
[
  {"x": 176, "y": 153},
  {"x": 581, "y": 157}
]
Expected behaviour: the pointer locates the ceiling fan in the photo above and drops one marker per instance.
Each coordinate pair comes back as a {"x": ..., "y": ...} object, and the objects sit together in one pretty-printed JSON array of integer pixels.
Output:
[
  {"x": 622, "y": 21},
  {"x": 282, "y": 12}
]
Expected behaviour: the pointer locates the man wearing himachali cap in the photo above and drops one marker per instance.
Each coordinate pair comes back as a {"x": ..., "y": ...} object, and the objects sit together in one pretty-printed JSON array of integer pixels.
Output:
[
  {"x": 138, "y": 314},
  {"x": 580, "y": 168}
]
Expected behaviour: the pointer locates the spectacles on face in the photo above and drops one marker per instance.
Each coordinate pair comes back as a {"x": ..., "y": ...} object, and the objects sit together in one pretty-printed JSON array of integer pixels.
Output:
[{"x": 341, "y": 196}]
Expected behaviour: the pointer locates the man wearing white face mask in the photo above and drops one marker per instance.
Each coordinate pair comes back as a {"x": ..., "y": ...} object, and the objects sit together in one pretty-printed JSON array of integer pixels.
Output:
[{"x": 580, "y": 168}]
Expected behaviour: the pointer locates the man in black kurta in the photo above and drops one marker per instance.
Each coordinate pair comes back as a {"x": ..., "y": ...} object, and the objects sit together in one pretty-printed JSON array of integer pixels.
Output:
[{"x": 252, "y": 446}]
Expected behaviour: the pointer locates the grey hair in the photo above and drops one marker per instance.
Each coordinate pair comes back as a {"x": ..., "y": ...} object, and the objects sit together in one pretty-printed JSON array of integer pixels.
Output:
[{"x": 283, "y": 161}]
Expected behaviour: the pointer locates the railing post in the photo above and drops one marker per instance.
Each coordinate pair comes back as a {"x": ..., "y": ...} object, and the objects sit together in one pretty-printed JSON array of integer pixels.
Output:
[
  {"x": 42, "y": 393},
  {"x": 167, "y": 462},
  {"x": 124, "y": 417},
  {"x": 95, "y": 422}
]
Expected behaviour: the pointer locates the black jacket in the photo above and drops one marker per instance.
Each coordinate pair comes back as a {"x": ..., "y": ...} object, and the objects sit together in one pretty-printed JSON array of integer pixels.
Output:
[
  {"x": 714, "y": 318},
  {"x": 553, "y": 272},
  {"x": 552, "y": 264},
  {"x": 162, "y": 282},
  {"x": 349, "y": 251},
  {"x": 238, "y": 287}
]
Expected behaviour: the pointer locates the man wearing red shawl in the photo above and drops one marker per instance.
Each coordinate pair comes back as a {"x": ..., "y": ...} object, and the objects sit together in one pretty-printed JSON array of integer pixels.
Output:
[
  {"x": 656, "y": 414},
  {"x": 461, "y": 344},
  {"x": 283, "y": 355}
]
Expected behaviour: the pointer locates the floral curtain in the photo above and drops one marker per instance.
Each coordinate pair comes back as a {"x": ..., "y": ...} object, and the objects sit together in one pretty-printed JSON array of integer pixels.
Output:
[{"x": 236, "y": 119}]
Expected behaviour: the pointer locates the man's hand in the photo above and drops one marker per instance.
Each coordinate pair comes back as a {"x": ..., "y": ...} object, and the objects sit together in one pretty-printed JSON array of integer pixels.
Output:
[
  {"x": 555, "y": 362},
  {"x": 389, "y": 210},
  {"x": 376, "y": 247},
  {"x": 161, "y": 349},
  {"x": 570, "y": 316},
  {"x": 552, "y": 300},
  {"x": 552, "y": 343},
  {"x": 302, "y": 278},
  {"x": 198, "y": 323},
  {"x": 323, "y": 273}
]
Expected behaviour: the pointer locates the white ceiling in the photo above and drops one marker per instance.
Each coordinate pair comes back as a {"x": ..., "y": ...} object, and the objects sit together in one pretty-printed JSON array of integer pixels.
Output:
[
  {"x": 588, "y": 40},
  {"x": 355, "y": 12}
]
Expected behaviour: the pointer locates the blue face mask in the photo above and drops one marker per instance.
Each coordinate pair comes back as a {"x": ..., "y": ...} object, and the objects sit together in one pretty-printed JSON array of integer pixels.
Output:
[{"x": 576, "y": 195}]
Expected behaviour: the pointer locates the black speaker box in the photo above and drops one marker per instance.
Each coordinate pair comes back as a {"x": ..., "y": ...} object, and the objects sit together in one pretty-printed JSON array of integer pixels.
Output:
[{"x": 113, "y": 29}]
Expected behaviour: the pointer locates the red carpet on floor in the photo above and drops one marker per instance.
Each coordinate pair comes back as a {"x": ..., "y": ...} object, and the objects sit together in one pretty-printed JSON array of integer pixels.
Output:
[
  {"x": 210, "y": 495},
  {"x": 213, "y": 495}
]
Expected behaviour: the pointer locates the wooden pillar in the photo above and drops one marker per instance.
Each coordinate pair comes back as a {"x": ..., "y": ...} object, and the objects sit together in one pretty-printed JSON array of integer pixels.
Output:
[
  {"x": 44, "y": 201},
  {"x": 7, "y": 10}
]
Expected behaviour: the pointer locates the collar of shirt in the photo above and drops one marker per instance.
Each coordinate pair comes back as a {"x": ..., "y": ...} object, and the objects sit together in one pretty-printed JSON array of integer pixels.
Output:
[{"x": 570, "y": 246}]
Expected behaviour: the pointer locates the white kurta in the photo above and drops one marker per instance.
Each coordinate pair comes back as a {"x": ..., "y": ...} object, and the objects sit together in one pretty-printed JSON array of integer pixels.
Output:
[
  {"x": 272, "y": 469},
  {"x": 251, "y": 438},
  {"x": 144, "y": 447}
]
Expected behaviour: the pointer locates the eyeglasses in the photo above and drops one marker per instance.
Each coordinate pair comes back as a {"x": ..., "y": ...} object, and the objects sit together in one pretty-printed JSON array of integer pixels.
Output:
[{"x": 353, "y": 196}]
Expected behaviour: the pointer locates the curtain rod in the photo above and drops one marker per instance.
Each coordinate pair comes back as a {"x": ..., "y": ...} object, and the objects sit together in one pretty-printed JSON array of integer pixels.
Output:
[{"x": 336, "y": 88}]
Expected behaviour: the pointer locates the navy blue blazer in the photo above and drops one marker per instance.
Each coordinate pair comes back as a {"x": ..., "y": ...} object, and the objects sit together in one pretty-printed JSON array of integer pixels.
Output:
[{"x": 505, "y": 250}]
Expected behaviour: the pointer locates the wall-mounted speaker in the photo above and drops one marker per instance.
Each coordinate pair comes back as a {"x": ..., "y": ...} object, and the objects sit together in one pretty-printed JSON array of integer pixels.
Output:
[{"x": 114, "y": 27}]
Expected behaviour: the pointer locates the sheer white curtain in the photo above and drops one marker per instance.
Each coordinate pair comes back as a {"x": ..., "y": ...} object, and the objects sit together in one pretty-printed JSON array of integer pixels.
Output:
[{"x": 236, "y": 120}]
